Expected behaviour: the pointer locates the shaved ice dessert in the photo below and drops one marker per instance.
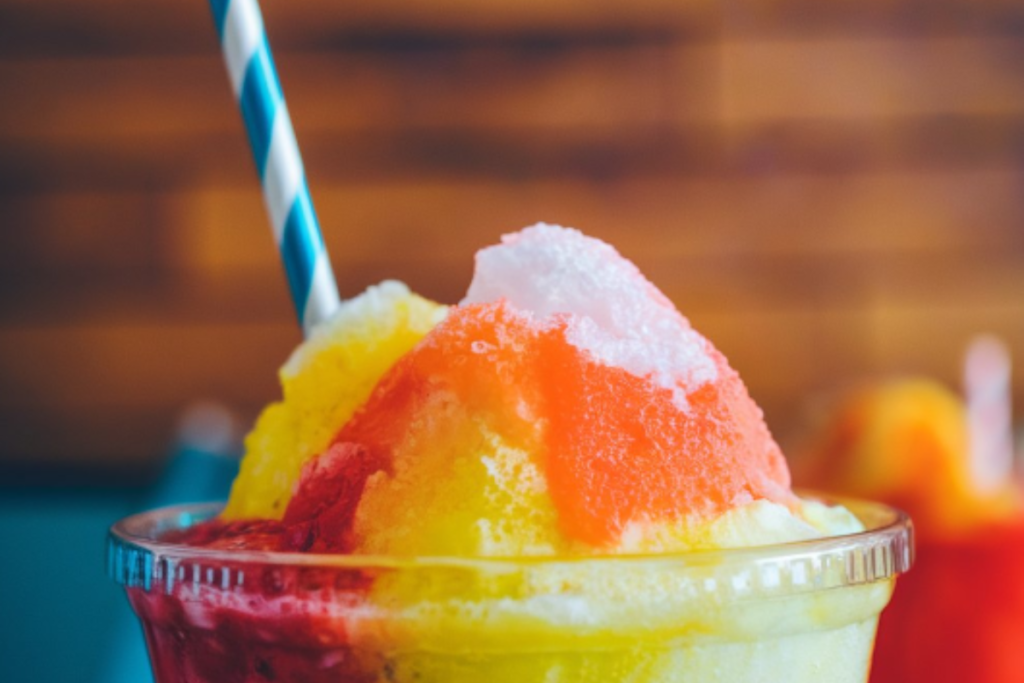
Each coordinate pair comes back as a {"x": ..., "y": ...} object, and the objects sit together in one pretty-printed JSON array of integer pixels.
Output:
[{"x": 558, "y": 479}]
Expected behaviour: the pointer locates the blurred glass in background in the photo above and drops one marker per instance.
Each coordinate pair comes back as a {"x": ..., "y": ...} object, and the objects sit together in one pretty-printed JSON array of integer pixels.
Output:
[{"x": 947, "y": 457}]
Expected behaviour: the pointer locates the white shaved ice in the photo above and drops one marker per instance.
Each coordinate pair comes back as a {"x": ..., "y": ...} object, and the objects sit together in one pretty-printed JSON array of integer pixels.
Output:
[{"x": 612, "y": 311}]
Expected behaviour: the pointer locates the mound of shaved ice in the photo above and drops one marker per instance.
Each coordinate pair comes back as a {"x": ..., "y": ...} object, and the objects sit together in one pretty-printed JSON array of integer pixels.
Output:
[{"x": 565, "y": 406}]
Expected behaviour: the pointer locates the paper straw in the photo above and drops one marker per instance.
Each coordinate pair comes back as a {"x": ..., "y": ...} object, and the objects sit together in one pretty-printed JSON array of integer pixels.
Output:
[
  {"x": 276, "y": 153},
  {"x": 987, "y": 369}
]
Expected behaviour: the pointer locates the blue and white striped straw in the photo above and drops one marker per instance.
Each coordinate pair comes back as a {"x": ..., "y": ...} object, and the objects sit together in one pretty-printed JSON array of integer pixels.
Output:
[{"x": 258, "y": 90}]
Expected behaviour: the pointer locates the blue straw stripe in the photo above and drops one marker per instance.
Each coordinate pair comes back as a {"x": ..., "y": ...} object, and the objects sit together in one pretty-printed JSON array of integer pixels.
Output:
[
  {"x": 300, "y": 244},
  {"x": 220, "y": 15},
  {"x": 260, "y": 99},
  {"x": 219, "y": 8}
]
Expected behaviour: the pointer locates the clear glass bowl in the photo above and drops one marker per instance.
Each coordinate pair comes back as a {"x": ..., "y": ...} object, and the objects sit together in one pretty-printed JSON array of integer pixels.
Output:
[{"x": 802, "y": 611}]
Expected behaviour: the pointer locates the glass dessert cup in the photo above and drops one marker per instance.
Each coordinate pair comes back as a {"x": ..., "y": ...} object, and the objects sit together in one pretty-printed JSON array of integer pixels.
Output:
[{"x": 801, "y": 611}]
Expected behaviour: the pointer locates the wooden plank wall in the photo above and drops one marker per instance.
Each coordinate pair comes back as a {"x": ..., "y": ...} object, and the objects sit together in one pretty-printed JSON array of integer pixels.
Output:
[{"x": 829, "y": 190}]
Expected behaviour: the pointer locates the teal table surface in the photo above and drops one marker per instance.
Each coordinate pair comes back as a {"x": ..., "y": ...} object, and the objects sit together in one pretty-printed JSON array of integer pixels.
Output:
[{"x": 61, "y": 618}]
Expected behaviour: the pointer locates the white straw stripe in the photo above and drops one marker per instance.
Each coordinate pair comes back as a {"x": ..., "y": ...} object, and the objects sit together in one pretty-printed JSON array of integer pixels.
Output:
[
  {"x": 323, "y": 298},
  {"x": 243, "y": 31},
  {"x": 283, "y": 177},
  {"x": 987, "y": 380},
  {"x": 277, "y": 158}
]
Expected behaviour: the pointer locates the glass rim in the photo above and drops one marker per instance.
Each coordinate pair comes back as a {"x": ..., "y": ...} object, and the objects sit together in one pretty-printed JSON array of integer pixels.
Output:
[{"x": 887, "y": 528}]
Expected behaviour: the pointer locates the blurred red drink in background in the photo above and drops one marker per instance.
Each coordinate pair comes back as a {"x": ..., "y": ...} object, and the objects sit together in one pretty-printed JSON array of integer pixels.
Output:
[{"x": 914, "y": 443}]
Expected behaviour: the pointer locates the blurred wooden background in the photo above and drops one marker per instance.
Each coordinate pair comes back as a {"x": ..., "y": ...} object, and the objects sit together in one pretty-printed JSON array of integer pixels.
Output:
[{"x": 828, "y": 190}]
